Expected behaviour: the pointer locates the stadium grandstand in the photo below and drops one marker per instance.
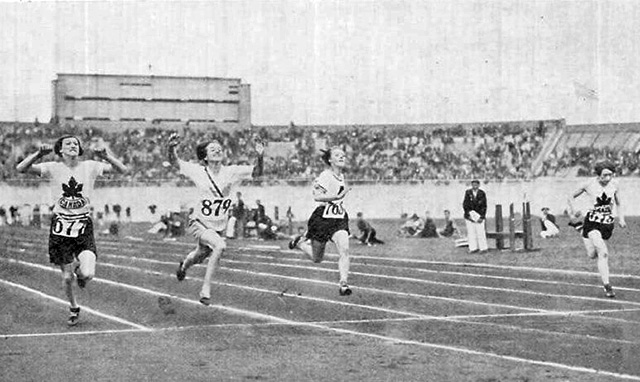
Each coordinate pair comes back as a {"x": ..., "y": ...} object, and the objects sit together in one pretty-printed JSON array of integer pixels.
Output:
[
  {"x": 379, "y": 153},
  {"x": 574, "y": 149},
  {"x": 134, "y": 115}
]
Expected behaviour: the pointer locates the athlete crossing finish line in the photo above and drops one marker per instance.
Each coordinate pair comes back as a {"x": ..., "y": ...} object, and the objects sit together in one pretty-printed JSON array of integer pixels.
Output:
[
  {"x": 71, "y": 241},
  {"x": 329, "y": 221},
  {"x": 597, "y": 228},
  {"x": 214, "y": 183}
]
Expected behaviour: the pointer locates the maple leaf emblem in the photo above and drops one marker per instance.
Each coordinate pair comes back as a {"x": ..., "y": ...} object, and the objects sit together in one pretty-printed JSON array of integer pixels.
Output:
[
  {"x": 603, "y": 200},
  {"x": 73, "y": 189}
]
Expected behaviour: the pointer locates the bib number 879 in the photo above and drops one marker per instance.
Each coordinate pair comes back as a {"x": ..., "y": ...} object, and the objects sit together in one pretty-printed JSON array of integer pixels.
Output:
[{"x": 214, "y": 207}]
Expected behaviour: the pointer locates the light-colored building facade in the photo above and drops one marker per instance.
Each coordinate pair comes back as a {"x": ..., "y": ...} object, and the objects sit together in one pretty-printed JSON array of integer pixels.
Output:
[{"x": 134, "y": 101}]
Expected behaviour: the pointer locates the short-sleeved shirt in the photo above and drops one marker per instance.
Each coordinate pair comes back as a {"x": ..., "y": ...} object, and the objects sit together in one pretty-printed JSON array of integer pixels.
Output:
[
  {"x": 212, "y": 199},
  {"x": 72, "y": 188}
]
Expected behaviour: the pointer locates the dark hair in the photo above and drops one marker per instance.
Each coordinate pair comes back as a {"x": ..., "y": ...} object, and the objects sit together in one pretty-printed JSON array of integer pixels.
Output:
[
  {"x": 57, "y": 147},
  {"x": 604, "y": 165},
  {"x": 201, "y": 149},
  {"x": 326, "y": 154}
]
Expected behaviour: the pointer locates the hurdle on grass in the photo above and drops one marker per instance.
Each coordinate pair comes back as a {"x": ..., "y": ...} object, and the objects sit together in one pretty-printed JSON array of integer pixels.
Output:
[{"x": 526, "y": 234}]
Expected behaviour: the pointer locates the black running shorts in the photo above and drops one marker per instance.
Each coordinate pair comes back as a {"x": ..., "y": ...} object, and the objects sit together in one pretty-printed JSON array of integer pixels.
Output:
[
  {"x": 322, "y": 229},
  {"x": 67, "y": 238}
]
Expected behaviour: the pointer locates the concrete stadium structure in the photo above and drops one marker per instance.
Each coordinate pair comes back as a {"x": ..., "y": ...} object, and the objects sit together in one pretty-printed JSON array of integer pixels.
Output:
[{"x": 123, "y": 101}]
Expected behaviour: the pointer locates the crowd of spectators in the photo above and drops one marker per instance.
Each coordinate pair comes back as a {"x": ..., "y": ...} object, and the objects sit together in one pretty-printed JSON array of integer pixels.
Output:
[
  {"x": 376, "y": 154},
  {"x": 581, "y": 160}
]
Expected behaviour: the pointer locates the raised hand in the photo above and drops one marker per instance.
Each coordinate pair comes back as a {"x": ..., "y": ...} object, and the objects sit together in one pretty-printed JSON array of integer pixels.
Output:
[
  {"x": 174, "y": 140},
  {"x": 44, "y": 149},
  {"x": 100, "y": 150}
]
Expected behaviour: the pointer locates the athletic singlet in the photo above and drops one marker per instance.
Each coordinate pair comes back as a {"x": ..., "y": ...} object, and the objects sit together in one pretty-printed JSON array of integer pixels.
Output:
[
  {"x": 328, "y": 183},
  {"x": 71, "y": 189},
  {"x": 212, "y": 200},
  {"x": 602, "y": 200}
]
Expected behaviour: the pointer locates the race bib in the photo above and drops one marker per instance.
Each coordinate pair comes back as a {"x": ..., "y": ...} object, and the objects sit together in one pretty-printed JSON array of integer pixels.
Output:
[
  {"x": 600, "y": 217},
  {"x": 68, "y": 227},
  {"x": 333, "y": 211},
  {"x": 214, "y": 209}
]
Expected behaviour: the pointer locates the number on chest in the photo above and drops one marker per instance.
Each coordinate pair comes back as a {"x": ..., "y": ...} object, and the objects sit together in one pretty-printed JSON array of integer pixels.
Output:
[
  {"x": 216, "y": 207},
  {"x": 333, "y": 211},
  {"x": 599, "y": 217},
  {"x": 68, "y": 228}
]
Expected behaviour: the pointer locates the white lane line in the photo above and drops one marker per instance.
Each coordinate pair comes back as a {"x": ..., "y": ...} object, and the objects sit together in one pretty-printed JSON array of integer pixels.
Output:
[
  {"x": 422, "y": 281},
  {"x": 61, "y": 301},
  {"x": 65, "y": 334},
  {"x": 457, "y": 349},
  {"x": 458, "y": 264},
  {"x": 456, "y": 319},
  {"x": 462, "y": 274},
  {"x": 387, "y": 259},
  {"x": 404, "y": 294}
]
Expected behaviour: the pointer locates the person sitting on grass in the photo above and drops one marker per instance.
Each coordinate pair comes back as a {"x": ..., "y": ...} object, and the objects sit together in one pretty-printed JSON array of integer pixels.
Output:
[
  {"x": 367, "y": 232},
  {"x": 411, "y": 227},
  {"x": 548, "y": 224},
  {"x": 429, "y": 229},
  {"x": 450, "y": 228}
]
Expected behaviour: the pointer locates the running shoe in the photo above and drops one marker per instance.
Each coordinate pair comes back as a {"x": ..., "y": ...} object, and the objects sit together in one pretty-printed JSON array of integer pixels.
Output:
[
  {"x": 181, "y": 273},
  {"x": 344, "y": 289},
  {"x": 205, "y": 301},
  {"x": 608, "y": 291},
  {"x": 294, "y": 243},
  {"x": 74, "y": 316}
]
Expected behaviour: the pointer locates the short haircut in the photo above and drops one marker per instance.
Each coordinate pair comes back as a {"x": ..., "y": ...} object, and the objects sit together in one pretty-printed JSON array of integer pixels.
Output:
[
  {"x": 604, "y": 165},
  {"x": 201, "y": 149},
  {"x": 57, "y": 147}
]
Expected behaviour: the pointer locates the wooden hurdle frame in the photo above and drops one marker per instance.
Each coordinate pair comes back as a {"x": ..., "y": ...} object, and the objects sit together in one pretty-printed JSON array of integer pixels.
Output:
[{"x": 526, "y": 234}]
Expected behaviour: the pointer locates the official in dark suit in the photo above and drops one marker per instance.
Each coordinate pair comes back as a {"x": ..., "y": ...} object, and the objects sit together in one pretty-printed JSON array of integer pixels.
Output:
[{"x": 475, "y": 212}]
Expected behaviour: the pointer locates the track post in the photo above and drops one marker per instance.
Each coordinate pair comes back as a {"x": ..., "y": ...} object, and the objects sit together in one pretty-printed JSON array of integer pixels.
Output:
[
  {"x": 499, "y": 227},
  {"x": 512, "y": 228}
]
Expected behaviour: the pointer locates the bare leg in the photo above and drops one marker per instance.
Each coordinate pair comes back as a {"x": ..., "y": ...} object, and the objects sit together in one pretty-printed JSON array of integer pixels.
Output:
[
  {"x": 87, "y": 265},
  {"x": 341, "y": 238},
  {"x": 212, "y": 240},
  {"x": 67, "y": 281},
  {"x": 603, "y": 255}
]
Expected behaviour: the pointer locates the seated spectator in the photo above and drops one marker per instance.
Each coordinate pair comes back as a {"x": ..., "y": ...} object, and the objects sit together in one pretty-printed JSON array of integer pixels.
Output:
[
  {"x": 548, "y": 224},
  {"x": 429, "y": 229},
  {"x": 450, "y": 228},
  {"x": 411, "y": 227},
  {"x": 367, "y": 232}
]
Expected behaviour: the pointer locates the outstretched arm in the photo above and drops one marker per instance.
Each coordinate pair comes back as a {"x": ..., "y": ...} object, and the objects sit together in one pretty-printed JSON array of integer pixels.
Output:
[
  {"x": 107, "y": 155},
  {"x": 574, "y": 195},
  {"x": 31, "y": 159}
]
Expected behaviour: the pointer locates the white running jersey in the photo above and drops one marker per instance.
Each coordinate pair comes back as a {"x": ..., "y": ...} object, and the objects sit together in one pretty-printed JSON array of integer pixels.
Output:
[
  {"x": 602, "y": 200},
  {"x": 212, "y": 200},
  {"x": 328, "y": 183},
  {"x": 601, "y": 196},
  {"x": 72, "y": 188}
]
